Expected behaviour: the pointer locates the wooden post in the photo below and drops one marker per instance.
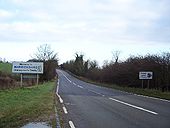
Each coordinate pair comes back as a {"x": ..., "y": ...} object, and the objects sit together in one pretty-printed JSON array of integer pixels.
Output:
[
  {"x": 148, "y": 84},
  {"x": 37, "y": 79},
  {"x": 21, "y": 80},
  {"x": 142, "y": 84}
]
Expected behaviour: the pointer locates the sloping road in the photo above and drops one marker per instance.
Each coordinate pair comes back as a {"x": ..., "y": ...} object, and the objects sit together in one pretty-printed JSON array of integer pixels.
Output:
[{"x": 90, "y": 106}]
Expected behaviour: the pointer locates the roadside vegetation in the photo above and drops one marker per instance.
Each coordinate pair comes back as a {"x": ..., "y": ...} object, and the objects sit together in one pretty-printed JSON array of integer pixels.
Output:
[
  {"x": 29, "y": 104},
  {"x": 124, "y": 75},
  {"x": 6, "y": 67},
  {"x": 7, "y": 79}
]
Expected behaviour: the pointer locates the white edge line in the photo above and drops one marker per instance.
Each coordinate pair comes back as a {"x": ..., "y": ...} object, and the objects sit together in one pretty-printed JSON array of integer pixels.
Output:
[
  {"x": 152, "y": 98},
  {"x": 57, "y": 86},
  {"x": 155, "y": 98},
  {"x": 140, "y": 108},
  {"x": 65, "y": 110},
  {"x": 57, "y": 90},
  {"x": 71, "y": 124},
  {"x": 61, "y": 100}
]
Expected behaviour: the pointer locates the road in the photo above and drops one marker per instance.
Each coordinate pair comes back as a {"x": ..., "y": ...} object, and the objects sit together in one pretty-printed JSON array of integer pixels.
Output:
[{"x": 89, "y": 106}]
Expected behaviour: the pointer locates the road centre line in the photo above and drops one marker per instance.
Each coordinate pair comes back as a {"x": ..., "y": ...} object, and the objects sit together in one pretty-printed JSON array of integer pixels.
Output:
[
  {"x": 71, "y": 124},
  {"x": 137, "y": 107},
  {"x": 74, "y": 83},
  {"x": 66, "y": 77},
  {"x": 96, "y": 92},
  {"x": 65, "y": 110},
  {"x": 79, "y": 86}
]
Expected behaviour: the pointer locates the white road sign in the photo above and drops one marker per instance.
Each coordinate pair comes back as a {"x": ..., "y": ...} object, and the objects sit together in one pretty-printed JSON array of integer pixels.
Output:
[
  {"x": 27, "y": 67},
  {"x": 145, "y": 75}
]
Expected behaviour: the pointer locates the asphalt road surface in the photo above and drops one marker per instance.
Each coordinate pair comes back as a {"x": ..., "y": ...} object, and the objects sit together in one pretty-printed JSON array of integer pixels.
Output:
[{"x": 89, "y": 106}]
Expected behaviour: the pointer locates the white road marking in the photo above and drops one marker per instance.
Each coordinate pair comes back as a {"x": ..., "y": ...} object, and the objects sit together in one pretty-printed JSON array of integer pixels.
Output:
[
  {"x": 65, "y": 110},
  {"x": 57, "y": 90},
  {"x": 58, "y": 81},
  {"x": 71, "y": 124},
  {"x": 61, "y": 100},
  {"x": 66, "y": 77},
  {"x": 140, "y": 108},
  {"x": 95, "y": 92},
  {"x": 74, "y": 83},
  {"x": 146, "y": 96},
  {"x": 79, "y": 86},
  {"x": 57, "y": 86},
  {"x": 152, "y": 98}
]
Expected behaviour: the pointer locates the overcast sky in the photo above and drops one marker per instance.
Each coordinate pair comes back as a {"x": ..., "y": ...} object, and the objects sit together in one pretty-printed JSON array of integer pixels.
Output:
[{"x": 93, "y": 27}]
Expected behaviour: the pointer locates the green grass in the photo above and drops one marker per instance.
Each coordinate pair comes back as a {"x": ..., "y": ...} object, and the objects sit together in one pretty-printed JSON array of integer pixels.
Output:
[
  {"x": 6, "y": 68},
  {"x": 21, "y": 106}
]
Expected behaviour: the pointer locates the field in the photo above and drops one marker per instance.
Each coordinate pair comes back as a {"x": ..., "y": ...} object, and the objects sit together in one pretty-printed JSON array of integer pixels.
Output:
[
  {"x": 6, "y": 68},
  {"x": 32, "y": 104}
]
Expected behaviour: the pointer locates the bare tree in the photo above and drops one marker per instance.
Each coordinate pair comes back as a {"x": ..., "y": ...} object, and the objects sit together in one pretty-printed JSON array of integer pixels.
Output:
[
  {"x": 115, "y": 56},
  {"x": 44, "y": 53}
]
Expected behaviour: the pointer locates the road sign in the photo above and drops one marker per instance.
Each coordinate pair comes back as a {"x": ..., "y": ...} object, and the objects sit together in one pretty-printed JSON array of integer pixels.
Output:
[
  {"x": 145, "y": 75},
  {"x": 27, "y": 67}
]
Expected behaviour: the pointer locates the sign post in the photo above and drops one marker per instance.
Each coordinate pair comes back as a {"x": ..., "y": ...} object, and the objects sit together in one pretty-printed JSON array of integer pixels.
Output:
[
  {"x": 28, "y": 68},
  {"x": 21, "y": 80},
  {"x": 37, "y": 79},
  {"x": 145, "y": 76}
]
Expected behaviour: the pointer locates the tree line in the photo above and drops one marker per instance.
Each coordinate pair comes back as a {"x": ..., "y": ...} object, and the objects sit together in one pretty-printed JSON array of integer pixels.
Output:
[{"x": 125, "y": 73}]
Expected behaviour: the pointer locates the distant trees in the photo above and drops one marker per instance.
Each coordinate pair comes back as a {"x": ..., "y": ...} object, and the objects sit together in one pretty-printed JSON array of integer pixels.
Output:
[
  {"x": 77, "y": 66},
  {"x": 125, "y": 73},
  {"x": 49, "y": 57}
]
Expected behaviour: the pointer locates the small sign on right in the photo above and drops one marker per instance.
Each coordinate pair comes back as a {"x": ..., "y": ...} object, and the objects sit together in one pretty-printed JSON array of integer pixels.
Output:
[{"x": 145, "y": 75}]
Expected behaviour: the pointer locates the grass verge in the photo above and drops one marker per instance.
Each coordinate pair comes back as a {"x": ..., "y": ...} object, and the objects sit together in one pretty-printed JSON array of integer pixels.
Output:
[{"x": 32, "y": 104}]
